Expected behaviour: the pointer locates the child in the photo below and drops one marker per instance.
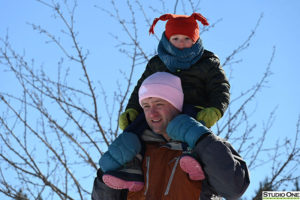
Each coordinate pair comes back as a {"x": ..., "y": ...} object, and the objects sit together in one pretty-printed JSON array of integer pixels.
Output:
[{"x": 204, "y": 84}]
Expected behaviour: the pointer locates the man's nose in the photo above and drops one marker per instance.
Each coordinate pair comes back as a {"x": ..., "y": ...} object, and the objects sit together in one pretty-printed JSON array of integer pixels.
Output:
[{"x": 153, "y": 111}]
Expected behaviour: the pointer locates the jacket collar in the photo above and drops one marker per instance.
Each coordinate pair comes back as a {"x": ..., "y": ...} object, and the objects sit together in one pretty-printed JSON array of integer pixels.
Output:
[{"x": 150, "y": 136}]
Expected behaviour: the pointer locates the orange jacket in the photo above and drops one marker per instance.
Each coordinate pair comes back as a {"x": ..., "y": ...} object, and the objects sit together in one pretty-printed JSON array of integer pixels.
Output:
[
  {"x": 226, "y": 172},
  {"x": 164, "y": 179}
]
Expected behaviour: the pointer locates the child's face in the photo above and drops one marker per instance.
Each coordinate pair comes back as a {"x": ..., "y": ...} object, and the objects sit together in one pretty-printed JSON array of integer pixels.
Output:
[{"x": 181, "y": 41}]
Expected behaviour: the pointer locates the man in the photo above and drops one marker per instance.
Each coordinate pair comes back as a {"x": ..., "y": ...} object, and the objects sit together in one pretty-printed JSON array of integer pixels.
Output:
[{"x": 225, "y": 171}]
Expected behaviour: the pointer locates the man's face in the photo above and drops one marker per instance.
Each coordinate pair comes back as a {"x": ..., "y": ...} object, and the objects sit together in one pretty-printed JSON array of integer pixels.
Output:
[
  {"x": 181, "y": 41},
  {"x": 158, "y": 113}
]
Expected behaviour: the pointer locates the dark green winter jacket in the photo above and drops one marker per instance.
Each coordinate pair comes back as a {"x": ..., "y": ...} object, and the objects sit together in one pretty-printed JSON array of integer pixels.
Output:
[{"x": 204, "y": 83}]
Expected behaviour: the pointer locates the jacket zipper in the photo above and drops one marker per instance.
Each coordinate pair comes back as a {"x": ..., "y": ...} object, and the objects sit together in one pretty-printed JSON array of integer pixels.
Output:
[
  {"x": 171, "y": 176},
  {"x": 147, "y": 174}
]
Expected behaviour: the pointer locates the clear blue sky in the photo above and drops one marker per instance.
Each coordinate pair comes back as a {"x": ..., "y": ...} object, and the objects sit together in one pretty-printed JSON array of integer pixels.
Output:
[{"x": 280, "y": 27}]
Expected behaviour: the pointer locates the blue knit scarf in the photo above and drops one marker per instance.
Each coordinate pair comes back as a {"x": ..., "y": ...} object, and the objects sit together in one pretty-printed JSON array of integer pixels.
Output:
[{"x": 176, "y": 59}]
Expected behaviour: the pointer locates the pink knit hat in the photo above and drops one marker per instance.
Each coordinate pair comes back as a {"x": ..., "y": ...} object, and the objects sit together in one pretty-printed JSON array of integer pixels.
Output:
[{"x": 165, "y": 86}]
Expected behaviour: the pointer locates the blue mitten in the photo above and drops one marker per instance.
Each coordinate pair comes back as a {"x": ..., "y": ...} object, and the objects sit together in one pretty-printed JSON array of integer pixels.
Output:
[
  {"x": 186, "y": 129},
  {"x": 121, "y": 151}
]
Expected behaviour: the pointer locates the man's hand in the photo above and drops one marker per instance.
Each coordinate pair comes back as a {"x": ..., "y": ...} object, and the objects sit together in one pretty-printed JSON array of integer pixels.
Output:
[
  {"x": 127, "y": 117},
  {"x": 186, "y": 129},
  {"x": 209, "y": 116}
]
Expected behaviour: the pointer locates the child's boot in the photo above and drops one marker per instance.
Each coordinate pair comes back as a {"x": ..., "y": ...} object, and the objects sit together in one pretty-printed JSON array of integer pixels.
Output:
[
  {"x": 191, "y": 166},
  {"x": 129, "y": 177}
]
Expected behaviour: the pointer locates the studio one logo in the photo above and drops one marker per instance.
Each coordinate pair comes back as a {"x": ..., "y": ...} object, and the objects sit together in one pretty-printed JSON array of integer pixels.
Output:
[{"x": 293, "y": 195}]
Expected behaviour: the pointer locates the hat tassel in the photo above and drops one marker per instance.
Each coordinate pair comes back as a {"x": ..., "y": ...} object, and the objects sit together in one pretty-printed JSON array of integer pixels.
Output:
[
  {"x": 163, "y": 18},
  {"x": 200, "y": 18}
]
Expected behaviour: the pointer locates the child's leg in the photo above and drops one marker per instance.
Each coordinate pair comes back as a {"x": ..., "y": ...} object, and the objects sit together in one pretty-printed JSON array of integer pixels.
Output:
[
  {"x": 190, "y": 165},
  {"x": 188, "y": 162},
  {"x": 130, "y": 176}
]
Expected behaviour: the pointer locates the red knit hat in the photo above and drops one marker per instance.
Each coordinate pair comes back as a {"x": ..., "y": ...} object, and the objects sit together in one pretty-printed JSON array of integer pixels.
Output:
[{"x": 181, "y": 24}]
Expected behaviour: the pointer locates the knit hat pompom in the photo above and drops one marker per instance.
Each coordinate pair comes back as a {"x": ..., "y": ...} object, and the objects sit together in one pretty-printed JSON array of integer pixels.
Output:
[
  {"x": 181, "y": 24},
  {"x": 165, "y": 86}
]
